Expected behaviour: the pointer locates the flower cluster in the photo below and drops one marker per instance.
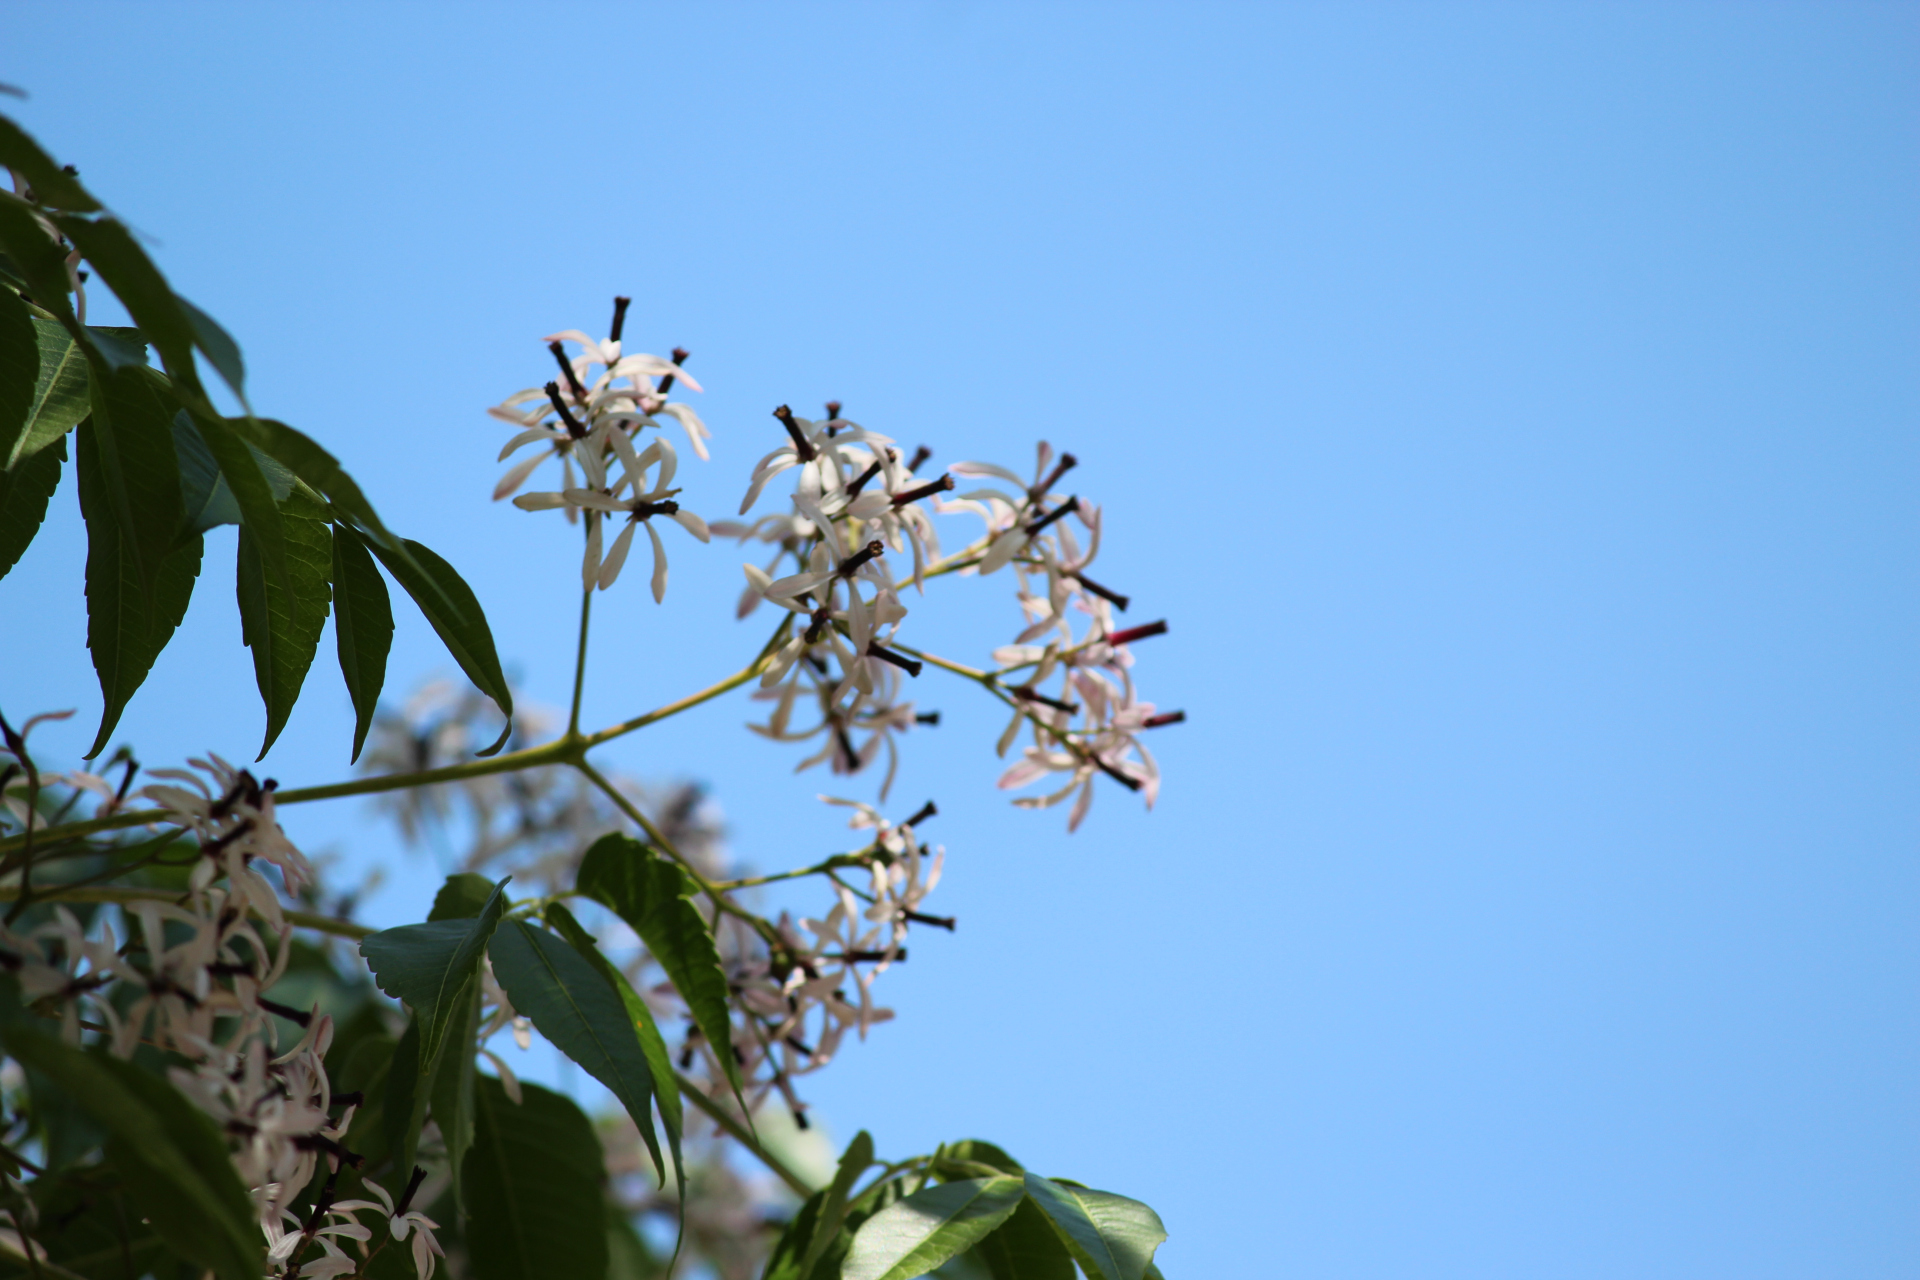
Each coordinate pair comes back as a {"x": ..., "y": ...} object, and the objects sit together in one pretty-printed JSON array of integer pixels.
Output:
[
  {"x": 592, "y": 418},
  {"x": 191, "y": 979}
]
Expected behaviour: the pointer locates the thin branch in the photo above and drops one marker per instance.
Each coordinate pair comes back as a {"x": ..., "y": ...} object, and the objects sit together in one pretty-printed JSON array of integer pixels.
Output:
[
  {"x": 128, "y": 893},
  {"x": 738, "y": 1132}
]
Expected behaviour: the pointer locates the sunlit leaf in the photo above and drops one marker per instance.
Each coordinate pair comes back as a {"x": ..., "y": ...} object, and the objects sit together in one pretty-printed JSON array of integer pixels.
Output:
[
  {"x": 924, "y": 1230},
  {"x": 1111, "y": 1237},
  {"x": 51, "y": 185},
  {"x": 854, "y": 1161}
]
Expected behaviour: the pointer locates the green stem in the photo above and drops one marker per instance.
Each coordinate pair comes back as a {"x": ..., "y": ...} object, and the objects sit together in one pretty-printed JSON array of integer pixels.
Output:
[
  {"x": 128, "y": 893},
  {"x": 836, "y": 861},
  {"x": 693, "y": 700},
  {"x": 580, "y": 664},
  {"x": 738, "y": 1132},
  {"x": 646, "y": 824}
]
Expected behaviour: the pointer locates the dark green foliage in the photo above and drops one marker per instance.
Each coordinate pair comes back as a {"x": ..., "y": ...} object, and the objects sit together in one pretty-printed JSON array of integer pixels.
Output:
[
  {"x": 168, "y": 1154},
  {"x": 362, "y": 627},
  {"x": 534, "y": 1199},
  {"x": 652, "y": 894},
  {"x": 574, "y": 1007},
  {"x": 130, "y": 616}
]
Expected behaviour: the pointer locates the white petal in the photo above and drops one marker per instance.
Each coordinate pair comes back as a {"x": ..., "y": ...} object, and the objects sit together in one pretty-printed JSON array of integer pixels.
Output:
[
  {"x": 610, "y": 569},
  {"x": 659, "y": 564},
  {"x": 517, "y": 476},
  {"x": 692, "y": 523},
  {"x": 590, "y": 563}
]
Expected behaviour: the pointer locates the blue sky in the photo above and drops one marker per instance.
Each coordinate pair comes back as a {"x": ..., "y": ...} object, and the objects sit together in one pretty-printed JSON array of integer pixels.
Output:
[{"x": 1511, "y": 407}]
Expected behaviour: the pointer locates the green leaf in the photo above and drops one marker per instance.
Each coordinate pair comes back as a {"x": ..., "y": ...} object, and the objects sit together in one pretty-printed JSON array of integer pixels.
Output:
[
  {"x": 792, "y": 1246},
  {"x": 19, "y": 369},
  {"x": 204, "y": 492},
  {"x": 453, "y": 1086},
  {"x": 362, "y": 627},
  {"x": 222, "y": 352},
  {"x": 40, "y": 261},
  {"x": 170, "y": 1156},
  {"x": 666, "y": 1085},
  {"x": 68, "y": 1133},
  {"x": 1024, "y": 1247},
  {"x": 90, "y": 1230},
  {"x": 572, "y": 1005},
  {"x": 403, "y": 1103},
  {"x": 923, "y": 1231},
  {"x": 301, "y": 455},
  {"x": 832, "y": 1211},
  {"x": 24, "y": 494},
  {"x": 980, "y": 1152},
  {"x": 118, "y": 259},
  {"x": 426, "y": 965},
  {"x": 1111, "y": 1237},
  {"x": 449, "y": 604},
  {"x": 60, "y": 398},
  {"x": 535, "y": 1204},
  {"x": 132, "y": 426},
  {"x": 52, "y": 186},
  {"x": 281, "y": 622},
  {"x": 628, "y": 1257},
  {"x": 129, "y": 619},
  {"x": 463, "y": 897},
  {"x": 652, "y": 895}
]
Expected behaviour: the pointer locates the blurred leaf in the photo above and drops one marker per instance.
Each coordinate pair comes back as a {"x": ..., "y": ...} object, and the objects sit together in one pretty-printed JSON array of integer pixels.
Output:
[
  {"x": 795, "y": 1241},
  {"x": 362, "y": 627},
  {"x": 1111, "y": 1237},
  {"x": 222, "y": 352},
  {"x": 1024, "y": 1247},
  {"x": 168, "y": 1152},
  {"x": 652, "y": 1044},
  {"x": 985, "y": 1153},
  {"x": 118, "y": 259},
  {"x": 572, "y": 1005},
  {"x": 40, "y": 262},
  {"x": 921, "y": 1232},
  {"x": 854, "y": 1161},
  {"x": 90, "y": 1228},
  {"x": 463, "y": 897},
  {"x": 535, "y": 1204},
  {"x": 60, "y": 396},
  {"x": 651, "y": 894},
  {"x": 403, "y": 1103},
  {"x": 52, "y": 186},
  {"x": 129, "y": 620},
  {"x": 453, "y": 1090},
  {"x": 628, "y": 1257},
  {"x": 24, "y": 494},
  {"x": 449, "y": 604},
  {"x": 68, "y": 1132},
  {"x": 281, "y": 621}
]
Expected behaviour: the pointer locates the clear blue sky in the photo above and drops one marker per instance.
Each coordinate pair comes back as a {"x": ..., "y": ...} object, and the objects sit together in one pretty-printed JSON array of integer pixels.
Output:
[{"x": 1512, "y": 408}]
